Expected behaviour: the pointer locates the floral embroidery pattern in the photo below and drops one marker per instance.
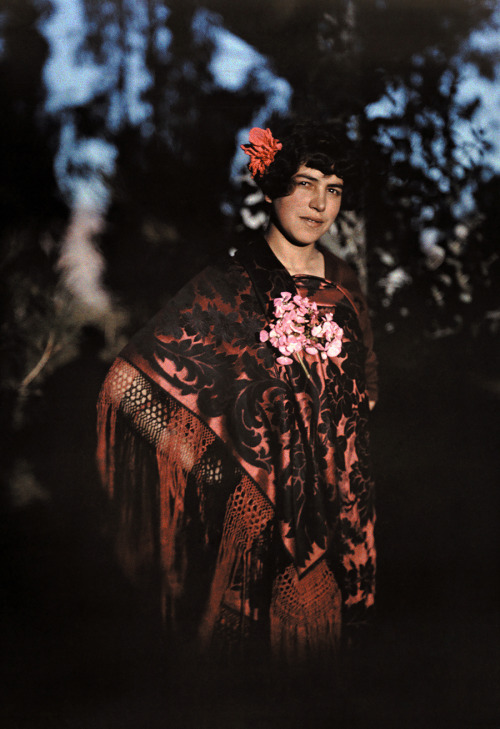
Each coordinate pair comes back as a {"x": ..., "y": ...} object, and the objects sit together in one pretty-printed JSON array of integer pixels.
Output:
[{"x": 302, "y": 443}]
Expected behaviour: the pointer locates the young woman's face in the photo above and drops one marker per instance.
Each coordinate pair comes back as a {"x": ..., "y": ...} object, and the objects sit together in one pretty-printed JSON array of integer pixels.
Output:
[{"x": 309, "y": 210}]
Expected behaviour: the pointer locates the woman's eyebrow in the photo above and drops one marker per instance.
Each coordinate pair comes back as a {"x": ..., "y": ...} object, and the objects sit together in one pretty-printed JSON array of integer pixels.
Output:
[
  {"x": 306, "y": 177},
  {"x": 339, "y": 185}
]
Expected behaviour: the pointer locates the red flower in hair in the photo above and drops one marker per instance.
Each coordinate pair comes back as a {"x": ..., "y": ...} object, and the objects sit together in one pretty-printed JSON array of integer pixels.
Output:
[{"x": 261, "y": 150}]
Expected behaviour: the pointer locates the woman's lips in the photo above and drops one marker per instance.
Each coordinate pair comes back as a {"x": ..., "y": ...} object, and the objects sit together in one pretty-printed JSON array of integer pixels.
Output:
[{"x": 312, "y": 221}]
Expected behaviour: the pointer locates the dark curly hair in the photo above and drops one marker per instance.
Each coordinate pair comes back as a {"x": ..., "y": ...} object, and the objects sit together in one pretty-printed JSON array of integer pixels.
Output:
[{"x": 321, "y": 146}]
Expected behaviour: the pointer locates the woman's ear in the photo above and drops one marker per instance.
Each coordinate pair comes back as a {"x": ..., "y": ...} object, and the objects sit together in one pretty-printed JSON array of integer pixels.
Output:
[{"x": 267, "y": 199}]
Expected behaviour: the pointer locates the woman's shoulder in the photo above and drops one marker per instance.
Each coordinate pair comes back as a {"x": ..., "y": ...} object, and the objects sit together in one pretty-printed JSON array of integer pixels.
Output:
[{"x": 339, "y": 272}]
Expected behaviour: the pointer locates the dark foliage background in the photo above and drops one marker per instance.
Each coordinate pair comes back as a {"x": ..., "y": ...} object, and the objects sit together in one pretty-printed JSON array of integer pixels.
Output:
[{"x": 80, "y": 274}]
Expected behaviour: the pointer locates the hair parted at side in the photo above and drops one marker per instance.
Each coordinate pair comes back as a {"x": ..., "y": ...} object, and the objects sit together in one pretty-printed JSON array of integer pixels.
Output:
[{"x": 321, "y": 146}]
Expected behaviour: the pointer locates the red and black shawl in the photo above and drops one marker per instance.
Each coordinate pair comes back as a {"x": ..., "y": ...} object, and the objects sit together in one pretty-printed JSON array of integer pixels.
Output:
[{"x": 242, "y": 486}]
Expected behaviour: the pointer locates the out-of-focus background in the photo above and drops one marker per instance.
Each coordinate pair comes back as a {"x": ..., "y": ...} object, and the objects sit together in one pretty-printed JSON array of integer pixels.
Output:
[{"x": 120, "y": 177}]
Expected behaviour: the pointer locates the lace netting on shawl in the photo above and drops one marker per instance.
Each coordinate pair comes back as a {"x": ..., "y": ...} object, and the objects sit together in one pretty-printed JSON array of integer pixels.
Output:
[
  {"x": 156, "y": 452},
  {"x": 165, "y": 469}
]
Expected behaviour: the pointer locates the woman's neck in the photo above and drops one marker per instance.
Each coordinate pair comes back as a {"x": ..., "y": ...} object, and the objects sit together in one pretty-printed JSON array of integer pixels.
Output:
[{"x": 298, "y": 259}]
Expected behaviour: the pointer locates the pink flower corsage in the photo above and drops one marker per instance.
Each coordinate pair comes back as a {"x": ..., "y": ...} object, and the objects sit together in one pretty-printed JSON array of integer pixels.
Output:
[
  {"x": 262, "y": 150},
  {"x": 299, "y": 327}
]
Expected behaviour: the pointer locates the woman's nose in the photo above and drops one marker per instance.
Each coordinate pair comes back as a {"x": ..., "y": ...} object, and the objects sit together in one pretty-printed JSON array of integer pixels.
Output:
[{"x": 318, "y": 200}]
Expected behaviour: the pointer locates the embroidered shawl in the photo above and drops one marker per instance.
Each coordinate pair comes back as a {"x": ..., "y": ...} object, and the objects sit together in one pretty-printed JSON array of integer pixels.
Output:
[{"x": 242, "y": 487}]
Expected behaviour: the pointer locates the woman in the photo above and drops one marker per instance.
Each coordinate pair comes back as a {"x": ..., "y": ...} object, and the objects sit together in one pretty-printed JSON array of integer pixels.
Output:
[{"x": 233, "y": 429}]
